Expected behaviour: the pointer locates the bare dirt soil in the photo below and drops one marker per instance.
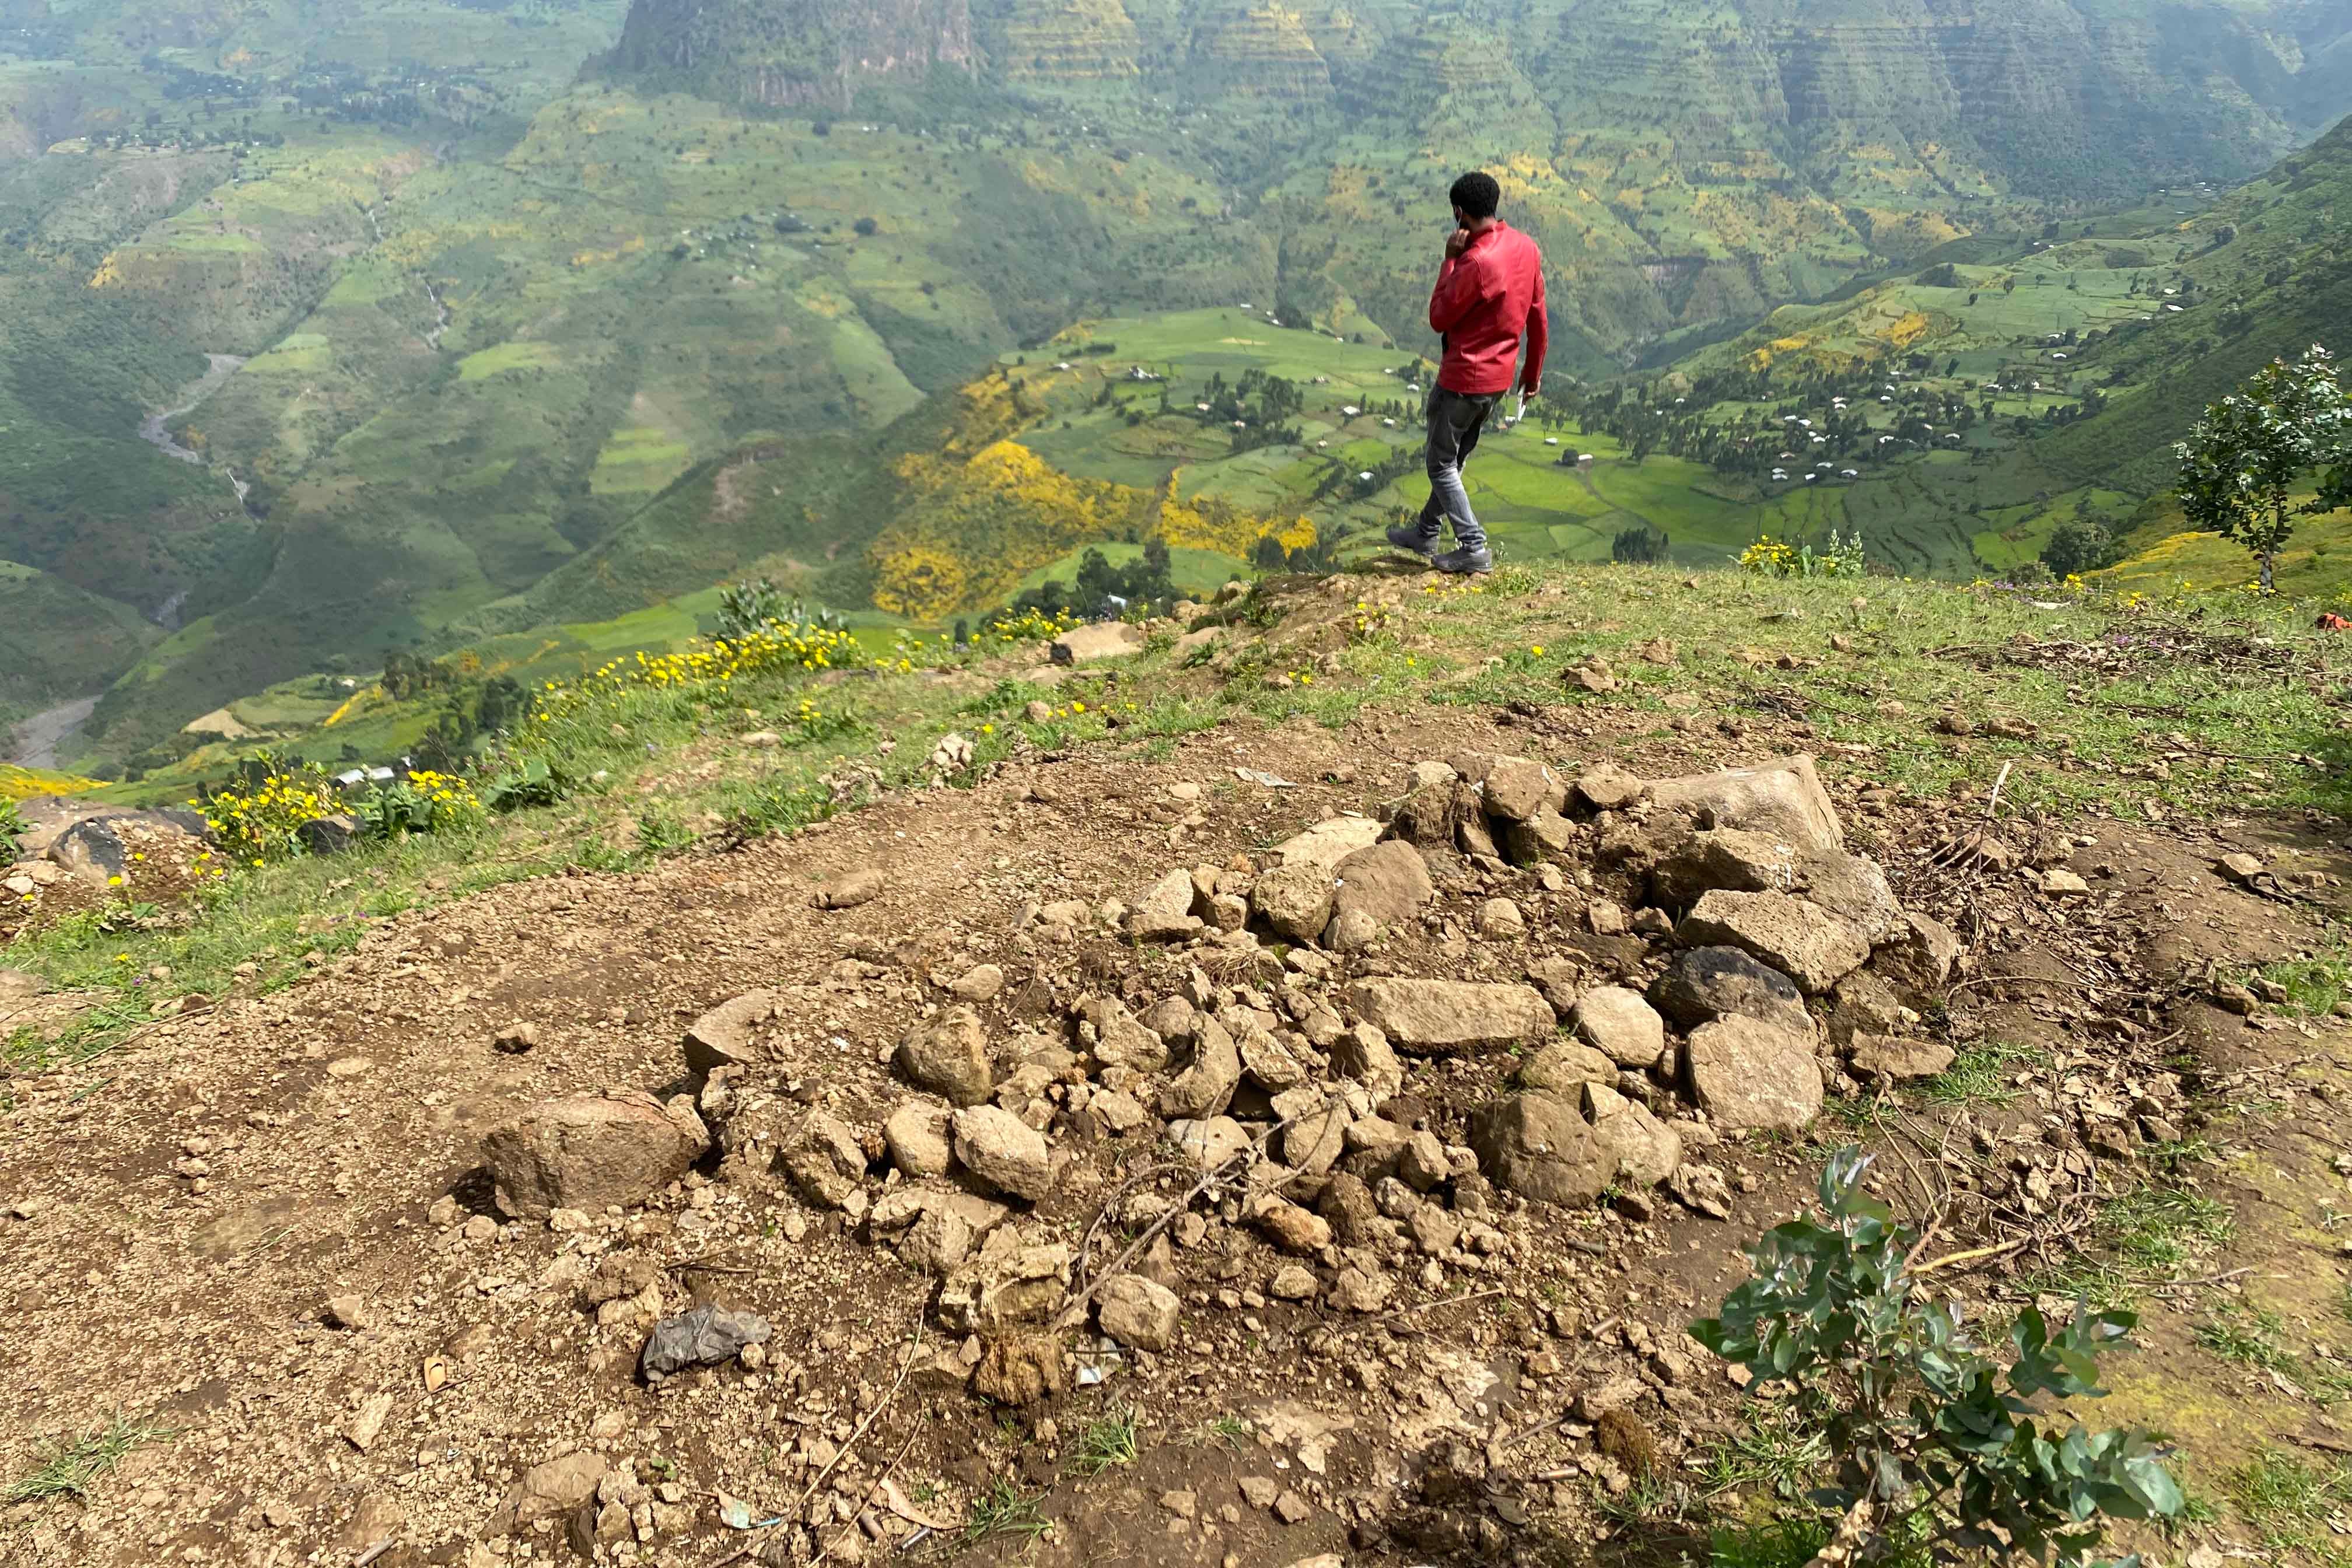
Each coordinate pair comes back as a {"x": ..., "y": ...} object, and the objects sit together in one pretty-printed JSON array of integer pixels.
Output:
[{"x": 170, "y": 1240}]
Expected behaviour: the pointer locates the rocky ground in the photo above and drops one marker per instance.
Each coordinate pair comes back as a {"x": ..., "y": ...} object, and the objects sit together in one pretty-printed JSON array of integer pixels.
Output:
[{"x": 1305, "y": 1148}]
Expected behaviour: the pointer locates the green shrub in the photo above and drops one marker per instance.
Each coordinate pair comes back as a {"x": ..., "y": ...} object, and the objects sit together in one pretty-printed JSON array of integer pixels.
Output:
[
  {"x": 1929, "y": 1436},
  {"x": 534, "y": 781}
]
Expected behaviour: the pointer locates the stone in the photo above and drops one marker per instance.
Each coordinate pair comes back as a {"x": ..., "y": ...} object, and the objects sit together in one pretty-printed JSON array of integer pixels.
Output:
[
  {"x": 1709, "y": 983},
  {"x": 1563, "y": 1066},
  {"x": 1439, "y": 1016},
  {"x": 1328, "y": 842},
  {"x": 1918, "y": 961},
  {"x": 551, "y": 1490},
  {"x": 588, "y": 1152},
  {"x": 1267, "y": 1063},
  {"x": 1799, "y": 938},
  {"x": 333, "y": 834},
  {"x": 1863, "y": 1004},
  {"x": 981, "y": 982},
  {"x": 1318, "y": 1130},
  {"x": 1003, "y": 1151},
  {"x": 1121, "y": 1041},
  {"x": 1421, "y": 1162},
  {"x": 99, "y": 847},
  {"x": 1620, "y": 1026},
  {"x": 949, "y": 1056},
  {"x": 366, "y": 1423},
  {"x": 1434, "y": 1231},
  {"x": 707, "y": 1336},
  {"x": 1205, "y": 1088},
  {"x": 1356, "y": 1291},
  {"x": 1538, "y": 1146},
  {"x": 348, "y": 1313},
  {"x": 1855, "y": 889},
  {"x": 1209, "y": 1142},
  {"x": 1783, "y": 796},
  {"x": 852, "y": 888},
  {"x": 1138, "y": 1312},
  {"x": 824, "y": 1159},
  {"x": 2059, "y": 882},
  {"x": 1689, "y": 864},
  {"x": 1014, "y": 1369},
  {"x": 1291, "y": 1509},
  {"x": 721, "y": 1037},
  {"x": 1293, "y": 900},
  {"x": 1748, "y": 1074},
  {"x": 1294, "y": 1229},
  {"x": 1515, "y": 788},
  {"x": 1389, "y": 883},
  {"x": 1352, "y": 931},
  {"x": 1364, "y": 1055},
  {"x": 1097, "y": 641},
  {"x": 1643, "y": 1148},
  {"x": 938, "y": 1243},
  {"x": 1605, "y": 786},
  {"x": 1002, "y": 1290},
  {"x": 2239, "y": 868},
  {"x": 1894, "y": 1056},
  {"x": 918, "y": 1136},
  {"x": 1500, "y": 919},
  {"x": 1545, "y": 834},
  {"x": 1164, "y": 914},
  {"x": 1292, "y": 1282},
  {"x": 1702, "y": 1190}
]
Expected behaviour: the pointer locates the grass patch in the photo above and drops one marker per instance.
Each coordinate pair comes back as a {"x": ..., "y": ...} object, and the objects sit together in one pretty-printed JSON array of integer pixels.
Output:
[
  {"x": 1774, "y": 1449},
  {"x": 1004, "y": 1509},
  {"x": 2147, "y": 1234},
  {"x": 1105, "y": 1443},
  {"x": 2313, "y": 985},
  {"x": 68, "y": 1469},
  {"x": 1978, "y": 1074},
  {"x": 2291, "y": 1502},
  {"x": 2248, "y": 1335},
  {"x": 1230, "y": 1430},
  {"x": 1781, "y": 1543}
]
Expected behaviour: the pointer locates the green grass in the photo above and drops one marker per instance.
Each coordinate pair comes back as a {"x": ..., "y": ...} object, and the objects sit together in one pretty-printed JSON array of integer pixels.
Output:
[
  {"x": 2291, "y": 1503},
  {"x": 69, "y": 1468},
  {"x": 1229, "y": 1430},
  {"x": 1774, "y": 1450},
  {"x": 2248, "y": 1335},
  {"x": 1105, "y": 1443},
  {"x": 1004, "y": 1509},
  {"x": 1979, "y": 1074},
  {"x": 2149, "y": 1234}
]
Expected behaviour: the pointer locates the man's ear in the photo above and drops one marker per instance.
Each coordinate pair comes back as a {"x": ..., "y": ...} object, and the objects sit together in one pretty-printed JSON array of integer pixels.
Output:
[{"x": 1461, "y": 218}]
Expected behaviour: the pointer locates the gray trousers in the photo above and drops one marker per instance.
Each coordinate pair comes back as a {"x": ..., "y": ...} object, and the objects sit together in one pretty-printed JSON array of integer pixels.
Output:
[{"x": 1454, "y": 420}]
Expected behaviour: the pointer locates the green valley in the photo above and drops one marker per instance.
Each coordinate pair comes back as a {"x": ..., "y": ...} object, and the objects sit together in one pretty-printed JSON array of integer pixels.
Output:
[{"x": 479, "y": 322}]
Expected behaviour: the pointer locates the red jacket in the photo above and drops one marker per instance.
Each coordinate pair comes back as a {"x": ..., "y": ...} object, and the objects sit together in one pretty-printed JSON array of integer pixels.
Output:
[{"x": 1486, "y": 299}]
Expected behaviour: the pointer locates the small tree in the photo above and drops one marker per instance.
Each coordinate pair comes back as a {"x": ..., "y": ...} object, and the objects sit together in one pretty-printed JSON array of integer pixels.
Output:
[
  {"x": 1934, "y": 1442},
  {"x": 2241, "y": 465}
]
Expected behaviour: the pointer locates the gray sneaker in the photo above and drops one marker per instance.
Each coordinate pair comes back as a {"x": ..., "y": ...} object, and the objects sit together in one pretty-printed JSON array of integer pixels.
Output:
[
  {"x": 1405, "y": 536},
  {"x": 1467, "y": 559}
]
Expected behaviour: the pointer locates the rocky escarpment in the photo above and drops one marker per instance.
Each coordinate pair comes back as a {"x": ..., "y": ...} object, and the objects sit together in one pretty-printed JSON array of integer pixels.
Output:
[{"x": 796, "y": 53}]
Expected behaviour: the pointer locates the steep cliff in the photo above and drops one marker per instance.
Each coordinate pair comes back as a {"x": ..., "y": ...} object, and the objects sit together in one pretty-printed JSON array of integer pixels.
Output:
[{"x": 792, "y": 53}]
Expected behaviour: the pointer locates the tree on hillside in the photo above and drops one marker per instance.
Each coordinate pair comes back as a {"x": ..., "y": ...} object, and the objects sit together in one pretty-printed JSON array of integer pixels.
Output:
[{"x": 2240, "y": 467}]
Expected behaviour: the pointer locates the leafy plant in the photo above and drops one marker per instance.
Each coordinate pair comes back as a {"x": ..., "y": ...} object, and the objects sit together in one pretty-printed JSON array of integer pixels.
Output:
[
  {"x": 2241, "y": 464},
  {"x": 533, "y": 781},
  {"x": 1105, "y": 1443},
  {"x": 1928, "y": 1436},
  {"x": 756, "y": 605},
  {"x": 13, "y": 827},
  {"x": 421, "y": 802},
  {"x": 1770, "y": 557},
  {"x": 1002, "y": 1509}
]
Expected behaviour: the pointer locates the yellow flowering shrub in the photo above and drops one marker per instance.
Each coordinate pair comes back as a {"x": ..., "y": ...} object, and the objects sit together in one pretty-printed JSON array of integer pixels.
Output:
[{"x": 260, "y": 819}]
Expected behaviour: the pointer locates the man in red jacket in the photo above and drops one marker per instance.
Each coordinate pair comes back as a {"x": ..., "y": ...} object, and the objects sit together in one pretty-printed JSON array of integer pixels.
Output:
[{"x": 1489, "y": 298}]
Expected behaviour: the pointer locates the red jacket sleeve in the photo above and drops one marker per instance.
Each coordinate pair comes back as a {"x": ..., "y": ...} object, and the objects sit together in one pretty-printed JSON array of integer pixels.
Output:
[
  {"x": 1459, "y": 288},
  {"x": 1538, "y": 337}
]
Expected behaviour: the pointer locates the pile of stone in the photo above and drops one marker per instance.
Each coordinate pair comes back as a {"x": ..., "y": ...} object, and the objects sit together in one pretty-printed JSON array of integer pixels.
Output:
[{"x": 1728, "y": 960}]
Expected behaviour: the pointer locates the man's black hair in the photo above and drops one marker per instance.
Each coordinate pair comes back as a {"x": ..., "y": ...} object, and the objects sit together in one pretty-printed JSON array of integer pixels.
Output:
[{"x": 1477, "y": 195}]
